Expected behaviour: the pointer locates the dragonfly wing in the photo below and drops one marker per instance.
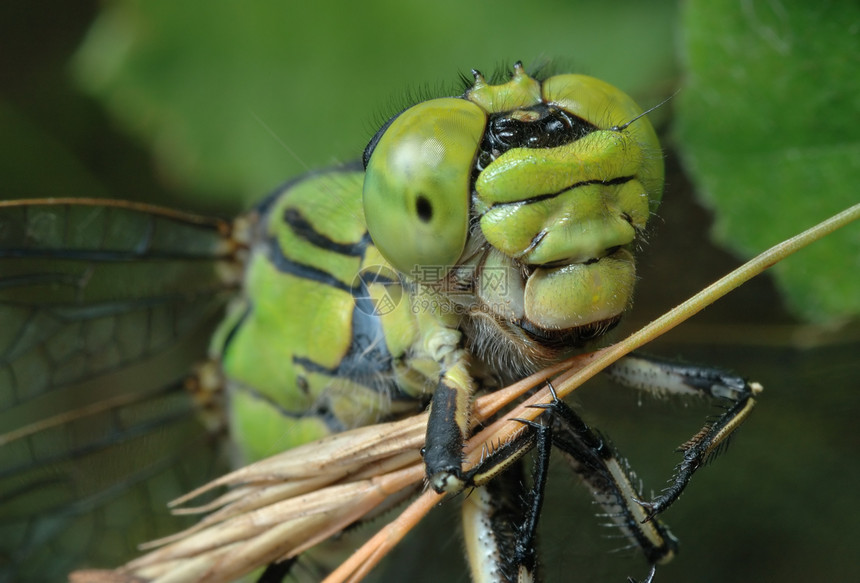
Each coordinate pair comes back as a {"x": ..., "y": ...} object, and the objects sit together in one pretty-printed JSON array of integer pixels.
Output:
[{"x": 103, "y": 306}]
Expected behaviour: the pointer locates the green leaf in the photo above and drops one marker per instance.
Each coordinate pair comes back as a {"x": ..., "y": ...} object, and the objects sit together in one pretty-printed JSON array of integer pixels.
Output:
[{"x": 767, "y": 126}]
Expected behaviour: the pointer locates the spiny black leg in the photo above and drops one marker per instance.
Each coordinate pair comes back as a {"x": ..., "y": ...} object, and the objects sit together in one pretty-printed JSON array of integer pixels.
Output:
[
  {"x": 501, "y": 527},
  {"x": 502, "y": 456},
  {"x": 697, "y": 451},
  {"x": 448, "y": 424},
  {"x": 610, "y": 480},
  {"x": 662, "y": 377},
  {"x": 591, "y": 457},
  {"x": 525, "y": 552},
  {"x": 443, "y": 450}
]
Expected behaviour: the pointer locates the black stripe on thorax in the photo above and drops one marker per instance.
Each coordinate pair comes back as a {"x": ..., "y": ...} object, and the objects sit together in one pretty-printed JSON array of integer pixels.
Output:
[
  {"x": 305, "y": 230},
  {"x": 284, "y": 264}
]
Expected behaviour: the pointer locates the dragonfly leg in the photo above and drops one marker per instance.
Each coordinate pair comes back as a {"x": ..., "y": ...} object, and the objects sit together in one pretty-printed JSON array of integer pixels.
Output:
[
  {"x": 662, "y": 377},
  {"x": 612, "y": 483},
  {"x": 591, "y": 458},
  {"x": 499, "y": 522},
  {"x": 448, "y": 426},
  {"x": 525, "y": 553}
]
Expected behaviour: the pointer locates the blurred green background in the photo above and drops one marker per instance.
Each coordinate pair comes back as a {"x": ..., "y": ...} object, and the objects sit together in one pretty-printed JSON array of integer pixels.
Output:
[{"x": 210, "y": 105}]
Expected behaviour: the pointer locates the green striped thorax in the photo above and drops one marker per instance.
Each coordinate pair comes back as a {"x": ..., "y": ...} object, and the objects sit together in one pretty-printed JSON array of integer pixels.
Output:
[{"x": 525, "y": 197}]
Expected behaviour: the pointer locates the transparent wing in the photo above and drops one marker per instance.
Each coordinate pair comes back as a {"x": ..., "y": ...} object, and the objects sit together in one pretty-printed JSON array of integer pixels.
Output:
[{"x": 103, "y": 306}]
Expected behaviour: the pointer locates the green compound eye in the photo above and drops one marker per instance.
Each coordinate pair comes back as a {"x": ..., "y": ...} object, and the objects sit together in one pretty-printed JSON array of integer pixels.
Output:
[{"x": 416, "y": 189}]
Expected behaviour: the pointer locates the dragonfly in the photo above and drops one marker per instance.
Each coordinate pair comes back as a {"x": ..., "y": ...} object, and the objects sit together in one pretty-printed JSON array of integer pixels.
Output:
[{"x": 481, "y": 238}]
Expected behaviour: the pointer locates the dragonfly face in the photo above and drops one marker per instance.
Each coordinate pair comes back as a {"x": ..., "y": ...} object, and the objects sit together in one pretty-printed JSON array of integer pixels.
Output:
[{"x": 523, "y": 197}]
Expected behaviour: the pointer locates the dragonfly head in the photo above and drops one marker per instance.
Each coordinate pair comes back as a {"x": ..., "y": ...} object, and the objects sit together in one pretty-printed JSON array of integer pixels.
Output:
[{"x": 544, "y": 186}]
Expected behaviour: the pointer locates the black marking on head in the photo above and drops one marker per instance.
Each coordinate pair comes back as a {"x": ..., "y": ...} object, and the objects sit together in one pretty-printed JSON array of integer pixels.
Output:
[
  {"x": 545, "y": 196},
  {"x": 539, "y": 126}
]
